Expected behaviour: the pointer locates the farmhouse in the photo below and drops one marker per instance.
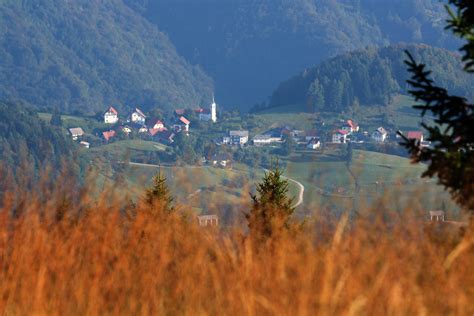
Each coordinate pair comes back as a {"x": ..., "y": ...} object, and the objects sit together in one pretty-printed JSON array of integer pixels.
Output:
[
  {"x": 156, "y": 124},
  {"x": 111, "y": 116},
  {"x": 260, "y": 140},
  {"x": 379, "y": 135},
  {"x": 138, "y": 117},
  {"x": 143, "y": 129},
  {"x": 181, "y": 124},
  {"x": 340, "y": 136},
  {"x": 208, "y": 220},
  {"x": 314, "y": 143},
  {"x": 437, "y": 215},
  {"x": 155, "y": 131},
  {"x": 126, "y": 129},
  {"x": 236, "y": 138},
  {"x": 76, "y": 132},
  {"x": 108, "y": 135},
  {"x": 351, "y": 127},
  {"x": 417, "y": 135},
  {"x": 221, "y": 160},
  {"x": 85, "y": 144}
]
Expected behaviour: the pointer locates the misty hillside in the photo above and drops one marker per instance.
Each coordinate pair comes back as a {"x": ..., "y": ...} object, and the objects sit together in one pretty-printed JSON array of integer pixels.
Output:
[
  {"x": 369, "y": 77},
  {"x": 26, "y": 139},
  {"x": 249, "y": 46},
  {"x": 86, "y": 54}
]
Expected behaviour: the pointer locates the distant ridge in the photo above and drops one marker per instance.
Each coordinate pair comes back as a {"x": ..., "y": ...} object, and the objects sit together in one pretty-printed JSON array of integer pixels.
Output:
[
  {"x": 368, "y": 77},
  {"x": 82, "y": 55}
]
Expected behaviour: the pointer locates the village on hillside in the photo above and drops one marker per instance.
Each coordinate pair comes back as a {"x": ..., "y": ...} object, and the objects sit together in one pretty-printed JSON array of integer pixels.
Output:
[{"x": 213, "y": 129}]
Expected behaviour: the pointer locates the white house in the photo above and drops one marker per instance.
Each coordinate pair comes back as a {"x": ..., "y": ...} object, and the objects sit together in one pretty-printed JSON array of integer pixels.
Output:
[
  {"x": 237, "y": 138},
  {"x": 209, "y": 114},
  {"x": 260, "y": 140},
  {"x": 138, "y": 117},
  {"x": 76, "y": 132},
  {"x": 157, "y": 124},
  {"x": 182, "y": 124},
  {"x": 340, "y": 136},
  {"x": 314, "y": 143},
  {"x": 379, "y": 135},
  {"x": 351, "y": 127},
  {"x": 221, "y": 160},
  {"x": 111, "y": 116},
  {"x": 143, "y": 129},
  {"x": 126, "y": 129},
  {"x": 85, "y": 144}
]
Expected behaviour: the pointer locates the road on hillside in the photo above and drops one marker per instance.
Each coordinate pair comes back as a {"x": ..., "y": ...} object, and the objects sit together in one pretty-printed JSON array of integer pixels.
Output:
[
  {"x": 300, "y": 199},
  {"x": 301, "y": 187}
]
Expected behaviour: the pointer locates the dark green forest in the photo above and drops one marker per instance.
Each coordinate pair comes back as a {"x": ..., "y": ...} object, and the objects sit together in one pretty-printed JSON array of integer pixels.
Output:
[
  {"x": 83, "y": 55},
  {"x": 368, "y": 77},
  {"x": 26, "y": 140},
  {"x": 249, "y": 46}
]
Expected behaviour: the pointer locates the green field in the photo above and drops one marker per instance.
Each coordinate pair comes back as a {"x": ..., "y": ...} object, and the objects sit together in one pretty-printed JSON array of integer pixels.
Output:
[
  {"x": 119, "y": 148},
  {"x": 88, "y": 124},
  {"x": 327, "y": 180},
  {"x": 327, "y": 184}
]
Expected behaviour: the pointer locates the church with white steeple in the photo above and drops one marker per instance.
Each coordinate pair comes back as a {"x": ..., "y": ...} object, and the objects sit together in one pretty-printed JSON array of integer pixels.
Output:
[
  {"x": 213, "y": 110},
  {"x": 209, "y": 114}
]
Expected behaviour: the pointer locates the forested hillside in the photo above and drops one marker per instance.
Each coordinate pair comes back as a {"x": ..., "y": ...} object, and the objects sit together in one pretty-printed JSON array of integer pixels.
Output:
[
  {"x": 249, "y": 46},
  {"x": 86, "y": 54},
  {"x": 26, "y": 139},
  {"x": 368, "y": 77}
]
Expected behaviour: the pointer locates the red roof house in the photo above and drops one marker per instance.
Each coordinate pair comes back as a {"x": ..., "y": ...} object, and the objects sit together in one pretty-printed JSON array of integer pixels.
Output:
[
  {"x": 156, "y": 124},
  {"x": 112, "y": 110},
  {"x": 415, "y": 135},
  {"x": 184, "y": 120},
  {"x": 353, "y": 126},
  {"x": 108, "y": 135},
  {"x": 154, "y": 131}
]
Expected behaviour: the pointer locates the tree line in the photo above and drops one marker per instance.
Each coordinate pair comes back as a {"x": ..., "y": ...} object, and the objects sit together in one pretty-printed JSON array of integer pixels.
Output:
[{"x": 368, "y": 77}]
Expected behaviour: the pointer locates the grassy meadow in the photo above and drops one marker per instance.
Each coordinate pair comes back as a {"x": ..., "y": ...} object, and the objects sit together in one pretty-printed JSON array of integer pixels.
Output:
[
  {"x": 328, "y": 184},
  {"x": 67, "y": 254}
]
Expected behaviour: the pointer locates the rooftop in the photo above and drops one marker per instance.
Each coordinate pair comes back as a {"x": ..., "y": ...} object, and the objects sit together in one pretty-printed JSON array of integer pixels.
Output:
[
  {"x": 76, "y": 131},
  {"x": 239, "y": 133}
]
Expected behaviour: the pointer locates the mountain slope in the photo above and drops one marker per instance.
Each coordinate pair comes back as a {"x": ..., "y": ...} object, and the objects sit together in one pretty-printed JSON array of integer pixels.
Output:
[
  {"x": 25, "y": 138},
  {"x": 249, "y": 46},
  {"x": 369, "y": 77},
  {"x": 85, "y": 54}
]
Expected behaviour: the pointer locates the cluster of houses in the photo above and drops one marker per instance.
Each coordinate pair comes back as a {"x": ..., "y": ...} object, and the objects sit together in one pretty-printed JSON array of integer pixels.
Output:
[
  {"x": 341, "y": 136},
  {"x": 350, "y": 132},
  {"x": 274, "y": 136},
  {"x": 311, "y": 139},
  {"x": 137, "y": 121}
]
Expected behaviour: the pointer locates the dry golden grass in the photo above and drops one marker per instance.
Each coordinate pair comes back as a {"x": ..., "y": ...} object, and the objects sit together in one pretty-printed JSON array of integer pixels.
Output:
[{"x": 67, "y": 254}]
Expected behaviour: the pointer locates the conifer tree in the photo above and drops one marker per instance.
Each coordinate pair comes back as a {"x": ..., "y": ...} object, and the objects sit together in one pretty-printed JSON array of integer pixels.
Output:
[
  {"x": 159, "y": 196},
  {"x": 450, "y": 157},
  {"x": 272, "y": 207},
  {"x": 56, "y": 119}
]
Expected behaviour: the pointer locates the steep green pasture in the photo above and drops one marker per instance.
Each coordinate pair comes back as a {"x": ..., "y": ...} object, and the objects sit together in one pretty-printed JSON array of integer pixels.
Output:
[{"x": 327, "y": 182}]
